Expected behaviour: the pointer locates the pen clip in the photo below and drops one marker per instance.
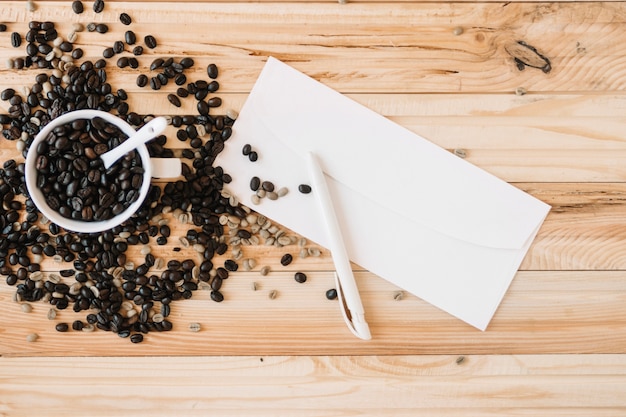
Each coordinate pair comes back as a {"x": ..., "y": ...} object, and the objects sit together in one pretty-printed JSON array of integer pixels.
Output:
[{"x": 357, "y": 325}]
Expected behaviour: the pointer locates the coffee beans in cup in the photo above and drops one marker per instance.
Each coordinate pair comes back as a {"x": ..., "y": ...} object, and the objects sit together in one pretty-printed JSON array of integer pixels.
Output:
[{"x": 72, "y": 177}]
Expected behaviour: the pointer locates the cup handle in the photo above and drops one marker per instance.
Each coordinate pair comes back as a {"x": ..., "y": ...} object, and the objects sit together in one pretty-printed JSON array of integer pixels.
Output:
[{"x": 166, "y": 167}]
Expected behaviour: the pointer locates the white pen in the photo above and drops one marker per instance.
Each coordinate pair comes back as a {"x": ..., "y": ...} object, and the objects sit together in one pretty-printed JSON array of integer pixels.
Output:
[{"x": 346, "y": 285}]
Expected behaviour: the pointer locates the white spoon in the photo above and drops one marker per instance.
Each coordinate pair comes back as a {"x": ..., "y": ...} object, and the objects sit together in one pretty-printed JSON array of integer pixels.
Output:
[{"x": 148, "y": 132}]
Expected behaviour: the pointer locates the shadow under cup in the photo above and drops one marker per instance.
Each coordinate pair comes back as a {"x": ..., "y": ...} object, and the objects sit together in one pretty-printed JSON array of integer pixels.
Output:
[{"x": 82, "y": 226}]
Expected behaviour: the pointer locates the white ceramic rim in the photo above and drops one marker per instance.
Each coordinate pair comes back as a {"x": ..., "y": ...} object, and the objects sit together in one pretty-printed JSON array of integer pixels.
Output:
[{"x": 37, "y": 196}]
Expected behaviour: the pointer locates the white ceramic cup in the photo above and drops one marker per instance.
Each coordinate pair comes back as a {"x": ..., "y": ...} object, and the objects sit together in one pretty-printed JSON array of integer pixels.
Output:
[{"x": 153, "y": 168}]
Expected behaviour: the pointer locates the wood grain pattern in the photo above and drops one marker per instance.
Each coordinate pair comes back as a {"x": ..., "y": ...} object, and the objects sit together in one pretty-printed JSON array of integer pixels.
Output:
[
  {"x": 320, "y": 386},
  {"x": 556, "y": 344}
]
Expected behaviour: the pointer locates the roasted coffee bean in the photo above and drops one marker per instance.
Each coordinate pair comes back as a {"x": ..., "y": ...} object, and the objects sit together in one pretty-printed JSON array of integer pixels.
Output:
[
  {"x": 267, "y": 186},
  {"x": 98, "y": 6},
  {"x": 212, "y": 71},
  {"x": 62, "y": 327},
  {"x": 122, "y": 62},
  {"x": 16, "y": 39},
  {"x": 142, "y": 80},
  {"x": 77, "y": 6},
  {"x": 253, "y": 156},
  {"x": 130, "y": 37},
  {"x": 118, "y": 47},
  {"x": 138, "y": 50},
  {"x": 108, "y": 53},
  {"x": 246, "y": 149},
  {"x": 286, "y": 259},
  {"x": 187, "y": 62},
  {"x": 230, "y": 265},
  {"x": 331, "y": 294},
  {"x": 214, "y": 102},
  {"x": 255, "y": 182},
  {"x": 125, "y": 19},
  {"x": 136, "y": 338},
  {"x": 78, "y": 325},
  {"x": 172, "y": 98},
  {"x": 150, "y": 41},
  {"x": 102, "y": 28},
  {"x": 300, "y": 277},
  {"x": 3, "y": 27},
  {"x": 77, "y": 53},
  {"x": 304, "y": 188},
  {"x": 217, "y": 296},
  {"x": 7, "y": 93}
]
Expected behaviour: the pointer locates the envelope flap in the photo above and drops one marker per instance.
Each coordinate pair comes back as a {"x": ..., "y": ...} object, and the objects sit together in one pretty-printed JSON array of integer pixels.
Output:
[{"x": 391, "y": 165}]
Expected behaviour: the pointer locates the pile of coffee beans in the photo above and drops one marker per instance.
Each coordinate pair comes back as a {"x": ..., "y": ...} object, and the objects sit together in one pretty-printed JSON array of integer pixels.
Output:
[
  {"x": 119, "y": 295},
  {"x": 73, "y": 179}
]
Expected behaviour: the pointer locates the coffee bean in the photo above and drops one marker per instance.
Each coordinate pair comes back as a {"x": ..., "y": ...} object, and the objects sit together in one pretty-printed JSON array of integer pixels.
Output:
[
  {"x": 304, "y": 188},
  {"x": 118, "y": 47},
  {"x": 150, "y": 41},
  {"x": 253, "y": 156},
  {"x": 102, "y": 27},
  {"x": 142, "y": 80},
  {"x": 62, "y": 327},
  {"x": 138, "y": 50},
  {"x": 77, "y": 6},
  {"x": 300, "y": 277},
  {"x": 108, "y": 53},
  {"x": 230, "y": 265},
  {"x": 331, "y": 294},
  {"x": 136, "y": 338},
  {"x": 286, "y": 259},
  {"x": 172, "y": 98},
  {"x": 125, "y": 19},
  {"x": 217, "y": 296},
  {"x": 3, "y": 27},
  {"x": 212, "y": 71},
  {"x": 16, "y": 39},
  {"x": 130, "y": 37},
  {"x": 267, "y": 186},
  {"x": 255, "y": 182},
  {"x": 98, "y": 6}
]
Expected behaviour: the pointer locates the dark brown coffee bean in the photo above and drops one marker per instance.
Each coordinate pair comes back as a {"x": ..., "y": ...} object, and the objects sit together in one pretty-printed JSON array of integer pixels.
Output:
[
  {"x": 142, "y": 80},
  {"x": 62, "y": 327},
  {"x": 253, "y": 156},
  {"x": 130, "y": 37},
  {"x": 304, "y": 188},
  {"x": 214, "y": 102},
  {"x": 212, "y": 71},
  {"x": 255, "y": 182},
  {"x": 77, "y": 6},
  {"x": 150, "y": 41},
  {"x": 118, "y": 47},
  {"x": 102, "y": 28},
  {"x": 187, "y": 62},
  {"x": 136, "y": 338},
  {"x": 108, "y": 53},
  {"x": 122, "y": 62},
  {"x": 231, "y": 265},
  {"x": 138, "y": 50},
  {"x": 98, "y": 6},
  {"x": 300, "y": 277},
  {"x": 267, "y": 186},
  {"x": 217, "y": 296},
  {"x": 172, "y": 98},
  {"x": 77, "y": 53},
  {"x": 331, "y": 294},
  {"x": 286, "y": 259},
  {"x": 3, "y": 27},
  {"x": 125, "y": 19},
  {"x": 16, "y": 39},
  {"x": 8, "y": 93}
]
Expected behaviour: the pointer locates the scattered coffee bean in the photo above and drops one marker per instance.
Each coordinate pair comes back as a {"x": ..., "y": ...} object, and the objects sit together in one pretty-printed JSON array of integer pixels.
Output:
[
  {"x": 398, "y": 295},
  {"x": 150, "y": 41},
  {"x": 98, "y": 6},
  {"x": 286, "y": 259},
  {"x": 212, "y": 71},
  {"x": 77, "y": 6},
  {"x": 194, "y": 327},
  {"x": 125, "y": 19},
  {"x": 300, "y": 277},
  {"x": 272, "y": 294},
  {"x": 16, "y": 39},
  {"x": 304, "y": 188},
  {"x": 130, "y": 37},
  {"x": 253, "y": 156},
  {"x": 3, "y": 27},
  {"x": 102, "y": 28},
  {"x": 138, "y": 50},
  {"x": 62, "y": 327},
  {"x": 217, "y": 296},
  {"x": 174, "y": 100},
  {"x": 247, "y": 148},
  {"x": 136, "y": 338},
  {"x": 32, "y": 337},
  {"x": 78, "y": 325},
  {"x": 331, "y": 294},
  {"x": 142, "y": 80}
]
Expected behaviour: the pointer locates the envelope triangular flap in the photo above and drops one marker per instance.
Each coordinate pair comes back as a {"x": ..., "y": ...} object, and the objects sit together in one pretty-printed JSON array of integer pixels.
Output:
[{"x": 391, "y": 165}]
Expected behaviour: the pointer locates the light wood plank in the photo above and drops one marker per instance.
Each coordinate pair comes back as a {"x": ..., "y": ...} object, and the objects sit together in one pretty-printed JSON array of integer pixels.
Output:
[
  {"x": 543, "y": 312},
  {"x": 414, "y": 48},
  {"x": 317, "y": 386}
]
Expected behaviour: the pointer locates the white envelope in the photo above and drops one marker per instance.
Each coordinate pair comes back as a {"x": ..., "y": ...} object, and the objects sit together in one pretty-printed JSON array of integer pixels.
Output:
[{"x": 411, "y": 212}]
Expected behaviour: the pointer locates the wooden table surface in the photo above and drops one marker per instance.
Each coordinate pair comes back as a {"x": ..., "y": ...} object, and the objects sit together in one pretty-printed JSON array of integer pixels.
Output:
[{"x": 447, "y": 71}]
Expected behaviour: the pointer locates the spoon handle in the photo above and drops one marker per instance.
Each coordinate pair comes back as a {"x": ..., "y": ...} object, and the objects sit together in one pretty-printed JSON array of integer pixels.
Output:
[{"x": 148, "y": 132}]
